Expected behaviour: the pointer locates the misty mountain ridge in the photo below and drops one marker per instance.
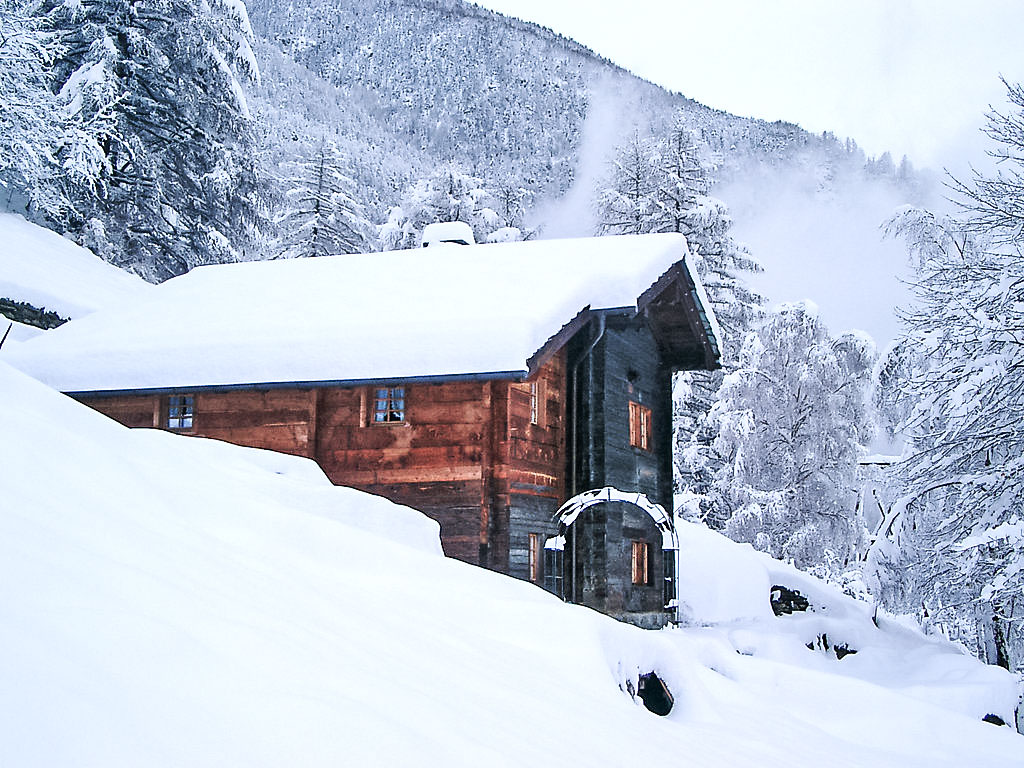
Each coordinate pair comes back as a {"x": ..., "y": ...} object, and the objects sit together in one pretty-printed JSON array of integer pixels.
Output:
[{"x": 404, "y": 86}]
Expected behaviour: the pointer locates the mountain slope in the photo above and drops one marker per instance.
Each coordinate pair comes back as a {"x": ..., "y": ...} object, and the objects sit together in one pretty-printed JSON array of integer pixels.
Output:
[{"x": 440, "y": 82}]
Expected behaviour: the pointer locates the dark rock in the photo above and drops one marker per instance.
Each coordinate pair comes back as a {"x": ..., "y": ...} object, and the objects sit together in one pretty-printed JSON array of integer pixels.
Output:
[
  {"x": 786, "y": 600},
  {"x": 25, "y": 313},
  {"x": 655, "y": 694},
  {"x": 844, "y": 650}
]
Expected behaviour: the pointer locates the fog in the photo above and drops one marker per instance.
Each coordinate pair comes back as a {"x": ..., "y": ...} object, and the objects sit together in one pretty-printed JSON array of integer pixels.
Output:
[{"x": 829, "y": 247}]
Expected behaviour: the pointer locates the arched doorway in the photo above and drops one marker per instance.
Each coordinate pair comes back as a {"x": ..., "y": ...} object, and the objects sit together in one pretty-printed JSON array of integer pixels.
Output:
[{"x": 562, "y": 550}]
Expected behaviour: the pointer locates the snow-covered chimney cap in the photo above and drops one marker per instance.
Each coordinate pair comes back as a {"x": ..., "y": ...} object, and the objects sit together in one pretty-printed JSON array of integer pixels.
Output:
[{"x": 447, "y": 233}]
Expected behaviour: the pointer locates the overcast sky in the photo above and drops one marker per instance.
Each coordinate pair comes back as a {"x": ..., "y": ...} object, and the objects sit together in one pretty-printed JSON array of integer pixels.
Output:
[{"x": 908, "y": 76}]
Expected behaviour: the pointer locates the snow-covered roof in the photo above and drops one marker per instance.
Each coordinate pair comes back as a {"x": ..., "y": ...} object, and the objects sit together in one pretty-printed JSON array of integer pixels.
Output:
[{"x": 482, "y": 309}]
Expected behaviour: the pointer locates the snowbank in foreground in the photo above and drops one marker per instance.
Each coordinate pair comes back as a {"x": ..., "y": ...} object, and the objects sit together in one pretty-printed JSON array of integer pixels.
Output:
[
  {"x": 48, "y": 271},
  {"x": 724, "y": 586},
  {"x": 175, "y": 601}
]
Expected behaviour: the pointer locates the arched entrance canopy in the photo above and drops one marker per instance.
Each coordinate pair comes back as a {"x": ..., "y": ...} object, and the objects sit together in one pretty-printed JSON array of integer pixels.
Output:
[
  {"x": 574, "y": 507},
  {"x": 569, "y": 513}
]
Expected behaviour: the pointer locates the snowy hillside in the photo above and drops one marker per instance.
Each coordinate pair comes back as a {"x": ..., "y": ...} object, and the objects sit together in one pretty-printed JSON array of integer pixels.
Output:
[
  {"x": 176, "y": 601},
  {"x": 41, "y": 268}
]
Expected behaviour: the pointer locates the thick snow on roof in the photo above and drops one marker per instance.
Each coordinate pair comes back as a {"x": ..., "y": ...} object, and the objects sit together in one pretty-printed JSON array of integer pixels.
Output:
[
  {"x": 43, "y": 269},
  {"x": 174, "y": 601},
  {"x": 456, "y": 310}
]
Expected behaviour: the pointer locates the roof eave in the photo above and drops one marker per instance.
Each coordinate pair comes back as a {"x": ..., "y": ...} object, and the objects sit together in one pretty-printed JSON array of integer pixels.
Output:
[{"x": 441, "y": 378}]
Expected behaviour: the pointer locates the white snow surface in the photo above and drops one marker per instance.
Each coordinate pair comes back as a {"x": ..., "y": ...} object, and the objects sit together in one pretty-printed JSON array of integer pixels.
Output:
[
  {"x": 16, "y": 331},
  {"x": 174, "y": 601},
  {"x": 457, "y": 310},
  {"x": 50, "y": 272}
]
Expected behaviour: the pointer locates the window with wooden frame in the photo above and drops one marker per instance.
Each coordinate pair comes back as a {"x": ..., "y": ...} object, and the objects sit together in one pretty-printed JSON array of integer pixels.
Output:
[
  {"x": 535, "y": 402},
  {"x": 388, "y": 405},
  {"x": 535, "y": 558},
  {"x": 181, "y": 411},
  {"x": 641, "y": 562},
  {"x": 639, "y": 426}
]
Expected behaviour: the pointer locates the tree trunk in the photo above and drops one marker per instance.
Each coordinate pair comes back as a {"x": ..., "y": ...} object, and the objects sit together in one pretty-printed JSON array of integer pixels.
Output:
[{"x": 1002, "y": 651}]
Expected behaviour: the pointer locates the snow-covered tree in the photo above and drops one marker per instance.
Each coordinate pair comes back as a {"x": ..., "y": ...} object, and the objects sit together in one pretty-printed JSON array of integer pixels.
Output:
[
  {"x": 790, "y": 420},
  {"x": 321, "y": 214},
  {"x": 995, "y": 202},
  {"x": 42, "y": 135},
  {"x": 178, "y": 186},
  {"x": 628, "y": 202},
  {"x": 662, "y": 186},
  {"x": 450, "y": 194},
  {"x": 954, "y": 546},
  {"x": 957, "y": 545}
]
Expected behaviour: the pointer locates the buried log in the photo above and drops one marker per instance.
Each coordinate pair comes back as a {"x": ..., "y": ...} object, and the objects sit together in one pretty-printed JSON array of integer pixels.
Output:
[{"x": 655, "y": 694}]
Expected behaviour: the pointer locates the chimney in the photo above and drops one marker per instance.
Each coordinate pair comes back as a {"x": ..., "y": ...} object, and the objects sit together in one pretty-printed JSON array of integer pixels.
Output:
[{"x": 448, "y": 233}]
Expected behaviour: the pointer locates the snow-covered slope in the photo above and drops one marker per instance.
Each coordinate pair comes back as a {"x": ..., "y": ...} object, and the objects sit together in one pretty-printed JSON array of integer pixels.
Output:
[
  {"x": 176, "y": 601},
  {"x": 43, "y": 269}
]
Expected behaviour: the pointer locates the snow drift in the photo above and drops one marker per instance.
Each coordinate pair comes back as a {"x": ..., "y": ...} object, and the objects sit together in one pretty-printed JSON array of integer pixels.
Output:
[
  {"x": 42, "y": 268},
  {"x": 178, "y": 601}
]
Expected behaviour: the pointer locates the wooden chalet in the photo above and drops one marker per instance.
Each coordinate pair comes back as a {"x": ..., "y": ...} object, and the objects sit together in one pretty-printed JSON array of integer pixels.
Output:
[{"x": 484, "y": 385}]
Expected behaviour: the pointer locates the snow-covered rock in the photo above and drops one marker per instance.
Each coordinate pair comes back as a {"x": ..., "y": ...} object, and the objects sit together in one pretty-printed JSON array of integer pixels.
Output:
[{"x": 43, "y": 269}]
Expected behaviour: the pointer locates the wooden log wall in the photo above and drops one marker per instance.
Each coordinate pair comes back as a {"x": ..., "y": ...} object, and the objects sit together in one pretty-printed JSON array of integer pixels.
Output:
[
  {"x": 130, "y": 410},
  {"x": 433, "y": 461},
  {"x": 282, "y": 420},
  {"x": 463, "y": 455},
  {"x": 532, "y": 465}
]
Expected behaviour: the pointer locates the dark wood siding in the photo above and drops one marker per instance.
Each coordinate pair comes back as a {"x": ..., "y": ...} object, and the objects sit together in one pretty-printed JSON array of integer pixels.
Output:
[
  {"x": 434, "y": 461},
  {"x": 614, "y": 362},
  {"x": 531, "y": 462},
  {"x": 130, "y": 410}
]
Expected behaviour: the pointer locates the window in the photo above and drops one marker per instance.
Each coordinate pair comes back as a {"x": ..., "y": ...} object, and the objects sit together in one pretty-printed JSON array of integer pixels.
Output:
[
  {"x": 534, "y": 402},
  {"x": 641, "y": 562},
  {"x": 389, "y": 405},
  {"x": 553, "y": 570},
  {"x": 639, "y": 426},
  {"x": 535, "y": 557},
  {"x": 181, "y": 411}
]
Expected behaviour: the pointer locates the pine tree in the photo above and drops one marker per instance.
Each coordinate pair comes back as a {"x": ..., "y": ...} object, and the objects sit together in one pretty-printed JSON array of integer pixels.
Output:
[
  {"x": 322, "y": 215},
  {"x": 628, "y": 203},
  {"x": 662, "y": 186},
  {"x": 179, "y": 184}
]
